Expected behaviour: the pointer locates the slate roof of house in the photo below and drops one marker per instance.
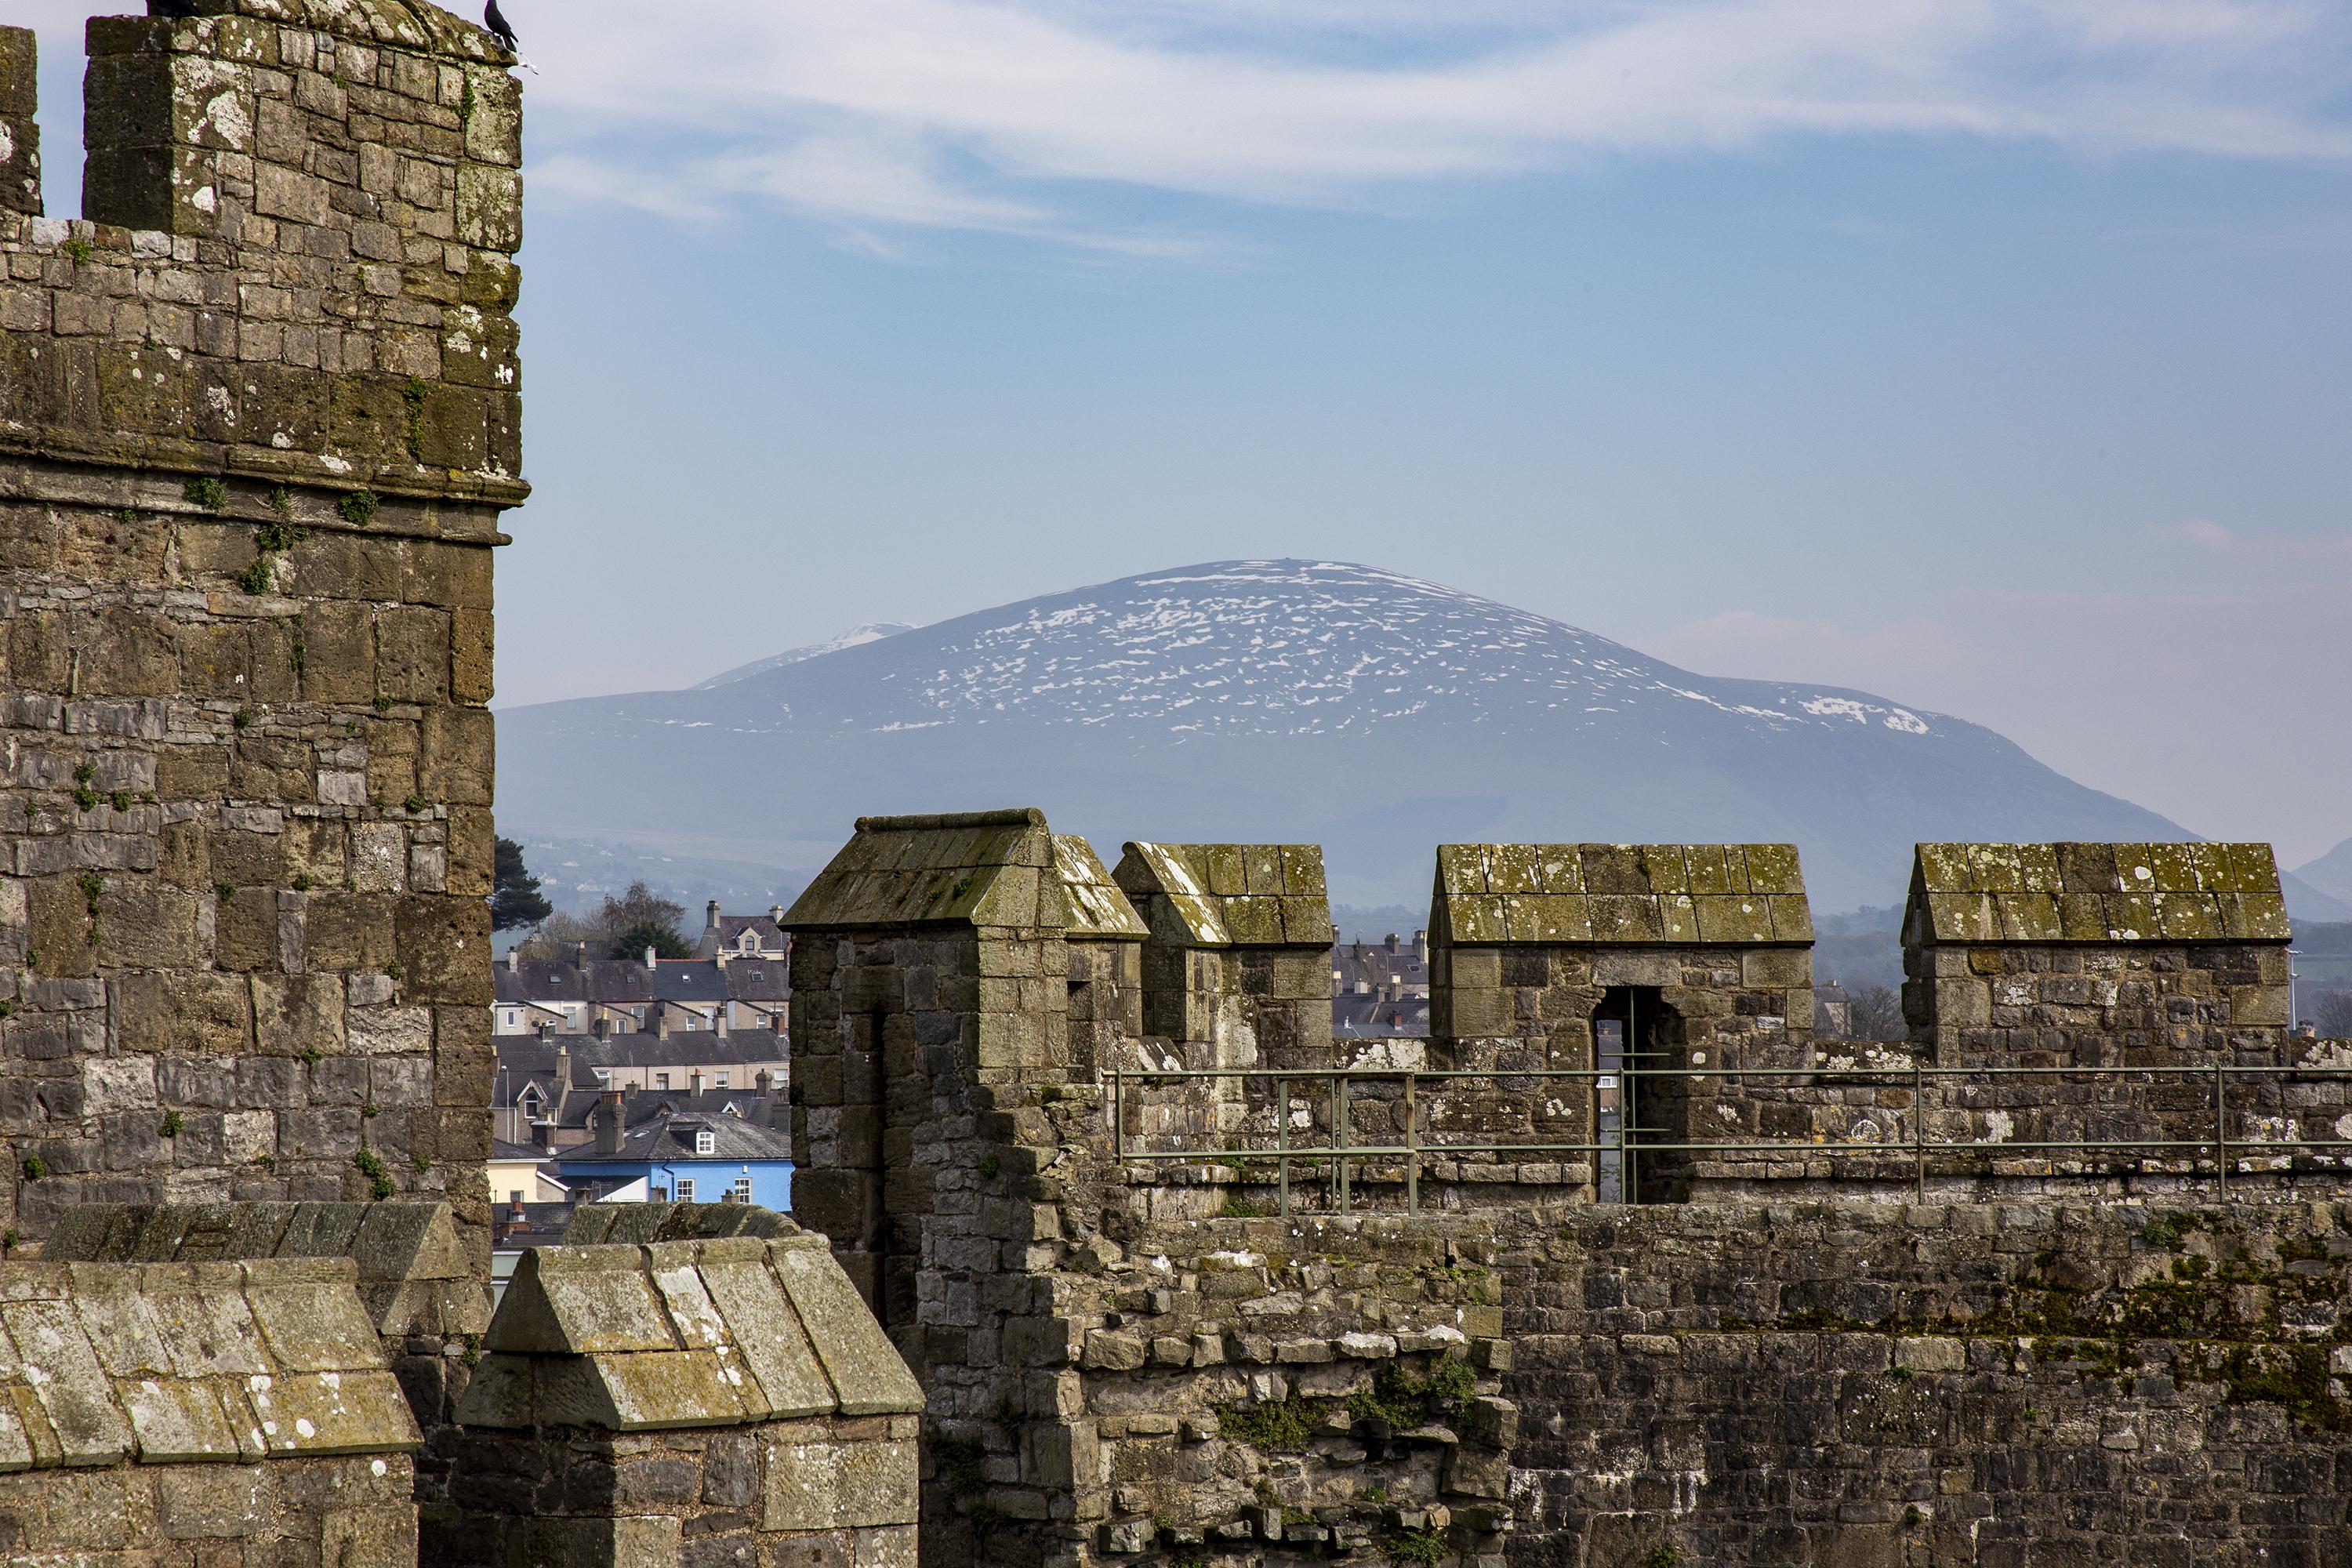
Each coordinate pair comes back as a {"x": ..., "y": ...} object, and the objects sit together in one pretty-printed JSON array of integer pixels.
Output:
[
  {"x": 668, "y": 1138},
  {"x": 728, "y": 934},
  {"x": 1093, "y": 905},
  {"x": 685, "y": 1333},
  {"x": 625, "y": 982},
  {"x": 2069, "y": 892},
  {"x": 981, "y": 868},
  {"x": 1622, "y": 894},
  {"x": 177, "y": 1362},
  {"x": 1235, "y": 895}
]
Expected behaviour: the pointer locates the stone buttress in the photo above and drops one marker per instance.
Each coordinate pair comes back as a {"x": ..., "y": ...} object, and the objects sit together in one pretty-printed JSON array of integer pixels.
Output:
[{"x": 258, "y": 420}]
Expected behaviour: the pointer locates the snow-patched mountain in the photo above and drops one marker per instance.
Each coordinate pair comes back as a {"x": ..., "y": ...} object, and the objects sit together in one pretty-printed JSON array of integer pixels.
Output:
[
  {"x": 1286, "y": 700},
  {"x": 855, "y": 636}
]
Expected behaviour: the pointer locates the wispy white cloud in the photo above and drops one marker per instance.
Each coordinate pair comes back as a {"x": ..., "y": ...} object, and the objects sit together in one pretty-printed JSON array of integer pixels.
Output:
[
  {"x": 982, "y": 113},
  {"x": 899, "y": 115}
]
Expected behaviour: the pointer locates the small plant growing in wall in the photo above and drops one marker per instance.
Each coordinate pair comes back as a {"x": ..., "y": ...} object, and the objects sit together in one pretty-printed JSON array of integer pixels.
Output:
[
  {"x": 371, "y": 1165},
  {"x": 35, "y": 1167},
  {"x": 85, "y": 796},
  {"x": 1422, "y": 1547},
  {"x": 1665, "y": 1555},
  {"x": 172, "y": 1124},
  {"x": 224, "y": 891},
  {"x": 80, "y": 249},
  {"x": 1283, "y": 1428},
  {"x": 414, "y": 395},
  {"x": 242, "y": 718},
  {"x": 359, "y": 507},
  {"x": 207, "y": 492},
  {"x": 91, "y": 885}
]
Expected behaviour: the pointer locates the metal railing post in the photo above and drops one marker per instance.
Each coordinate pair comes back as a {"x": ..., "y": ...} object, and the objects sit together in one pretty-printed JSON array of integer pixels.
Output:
[
  {"x": 1411, "y": 1148},
  {"x": 2221, "y": 1125},
  {"x": 1340, "y": 1135},
  {"x": 1282, "y": 1139},
  {"x": 1918, "y": 1129}
]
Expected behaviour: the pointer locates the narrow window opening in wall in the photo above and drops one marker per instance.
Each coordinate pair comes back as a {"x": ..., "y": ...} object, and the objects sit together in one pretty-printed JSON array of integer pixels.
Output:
[{"x": 1634, "y": 1036}]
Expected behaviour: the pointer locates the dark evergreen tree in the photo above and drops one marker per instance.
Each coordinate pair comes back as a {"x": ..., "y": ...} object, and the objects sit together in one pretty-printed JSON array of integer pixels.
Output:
[{"x": 515, "y": 898}]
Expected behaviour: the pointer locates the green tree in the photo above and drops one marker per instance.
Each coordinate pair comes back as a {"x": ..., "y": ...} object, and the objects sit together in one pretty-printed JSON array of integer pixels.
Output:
[
  {"x": 663, "y": 938},
  {"x": 515, "y": 898}
]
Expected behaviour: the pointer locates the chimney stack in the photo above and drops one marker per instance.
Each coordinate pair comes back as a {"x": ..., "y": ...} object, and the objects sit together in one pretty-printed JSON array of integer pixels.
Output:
[
  {"x": 776, "y": 914},
  {"x": 661, "y": 1021},
  {"x": 718, "y": 1020},
  {"x": 608, "y": 1118},
  {"x": 764, "y": 1080},
  {"x": 651, "y": 956},
  {"x": 603, "y": 1025},
  {"x": 514, "y": 958},
  {"x": 579, "y": 955},
  {"x": 711, "y": 916}
]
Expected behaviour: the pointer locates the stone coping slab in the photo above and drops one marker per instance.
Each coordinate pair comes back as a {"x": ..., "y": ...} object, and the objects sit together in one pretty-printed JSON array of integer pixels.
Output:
[
  {"x": 1093, "y": 904},
  {"x": 685, "y": 1334},
  {"x": 1235, "y": 895},
  {"x": 191, "y": 1362},
  {"x": 980, "y": 868},
  {"x": 1671, "y": 895},
  {"x": 2082, "y": 892},
  {"x": 598, "y": 1224}
]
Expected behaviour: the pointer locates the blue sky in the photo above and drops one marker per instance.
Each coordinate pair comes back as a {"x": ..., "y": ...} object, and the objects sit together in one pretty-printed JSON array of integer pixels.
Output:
[{"x": 1993, "y": 356}]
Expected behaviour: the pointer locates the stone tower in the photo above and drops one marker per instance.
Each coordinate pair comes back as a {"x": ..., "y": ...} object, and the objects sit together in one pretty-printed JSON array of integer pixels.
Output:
[{"x": 258, "y": 419}]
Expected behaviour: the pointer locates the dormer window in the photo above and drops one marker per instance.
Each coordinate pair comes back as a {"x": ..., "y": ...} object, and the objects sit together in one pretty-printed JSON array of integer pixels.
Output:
[
  {"x": 749, "y": 942},
  {"x": 705, "y": 1140}
]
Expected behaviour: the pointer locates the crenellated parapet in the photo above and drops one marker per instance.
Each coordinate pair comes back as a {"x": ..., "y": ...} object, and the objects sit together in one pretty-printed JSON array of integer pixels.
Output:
[
  {"x": 296, "y": 264},
  {"x": 258, "y": 420}
]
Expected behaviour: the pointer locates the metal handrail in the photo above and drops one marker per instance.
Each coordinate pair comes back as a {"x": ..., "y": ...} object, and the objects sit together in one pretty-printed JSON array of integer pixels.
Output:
[{"x": 1340, "y": 1148}]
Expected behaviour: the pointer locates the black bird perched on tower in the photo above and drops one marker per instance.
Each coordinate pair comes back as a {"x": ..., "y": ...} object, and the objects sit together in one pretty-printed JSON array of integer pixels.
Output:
[{"x": 496, "y": 20}]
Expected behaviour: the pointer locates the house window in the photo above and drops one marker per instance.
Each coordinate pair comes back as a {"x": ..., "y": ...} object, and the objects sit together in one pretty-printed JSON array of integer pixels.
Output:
[
  {"x": 661, "y": 1081},
  {"x": 515, "y": 1197},
  {"x": 603, "y": 1075},
  {"x": 686, "y": 1189},
  {"x": 510, "y": 1017},
  {"x": 705, "y": 1142},
  {"x": 743, "y": 1190},
  {"x": 720, "y": 1079}
]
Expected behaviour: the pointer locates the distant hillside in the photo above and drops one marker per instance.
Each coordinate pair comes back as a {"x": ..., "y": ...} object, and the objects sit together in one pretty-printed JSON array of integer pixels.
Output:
[
  {"x": 2332, "y": 874},
  {"x": 1376, "y": 714}
]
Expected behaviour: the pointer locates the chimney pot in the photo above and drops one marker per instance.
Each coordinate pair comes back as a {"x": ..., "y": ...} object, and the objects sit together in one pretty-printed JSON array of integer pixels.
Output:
[
  {"x": 608, "y": 1117},
  {"x": 514, "y": 958},
  {"x": 776, "y": 914}
]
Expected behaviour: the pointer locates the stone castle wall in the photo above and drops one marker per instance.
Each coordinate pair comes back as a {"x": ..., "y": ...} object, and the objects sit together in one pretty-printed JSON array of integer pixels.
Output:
[{"x": 257, "y": 422}]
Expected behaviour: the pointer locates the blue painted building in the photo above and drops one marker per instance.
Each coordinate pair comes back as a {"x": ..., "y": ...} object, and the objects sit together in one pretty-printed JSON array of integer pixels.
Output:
[{"x": 684, "y": 1156}]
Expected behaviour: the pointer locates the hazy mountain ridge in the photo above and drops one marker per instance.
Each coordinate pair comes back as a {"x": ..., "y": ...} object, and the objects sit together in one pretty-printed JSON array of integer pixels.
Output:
[
  {"x": 2331, "y": 873},
  {"x": 1375, "y": 713}
]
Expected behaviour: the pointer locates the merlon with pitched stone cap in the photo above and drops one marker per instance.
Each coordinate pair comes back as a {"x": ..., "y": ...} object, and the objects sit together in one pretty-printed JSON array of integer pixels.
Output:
[
  {"x": 1622, "y": 894},
  {"x": 2069, "y": 892}
]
